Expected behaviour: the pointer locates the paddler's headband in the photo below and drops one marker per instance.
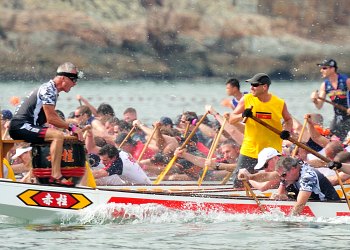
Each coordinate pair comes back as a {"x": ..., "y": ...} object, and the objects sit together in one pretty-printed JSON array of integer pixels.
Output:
[{"x": 73, "y": 76}]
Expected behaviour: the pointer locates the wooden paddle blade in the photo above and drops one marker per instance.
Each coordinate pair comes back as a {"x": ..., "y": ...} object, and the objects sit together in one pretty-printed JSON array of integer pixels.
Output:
[
  {"x": 226, "y": 178},
  {"x": 212, "y": 150},
  {"x": 252, "y": 194},
  {"x": 343, "y": 189},
  {"x": 127, "y": 136},
  {"x": 200, "y": 180},
  {"x": 146, "y": 145},
  {"x": 165, "y": 171}
]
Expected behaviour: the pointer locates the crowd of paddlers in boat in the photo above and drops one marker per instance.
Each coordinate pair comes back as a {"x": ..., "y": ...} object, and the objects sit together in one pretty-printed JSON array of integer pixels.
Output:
[{"x": 258, "y": 143}]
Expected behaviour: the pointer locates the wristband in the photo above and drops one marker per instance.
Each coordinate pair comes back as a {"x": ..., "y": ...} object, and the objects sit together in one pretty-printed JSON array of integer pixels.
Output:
[{"x": 217, "y": 166}]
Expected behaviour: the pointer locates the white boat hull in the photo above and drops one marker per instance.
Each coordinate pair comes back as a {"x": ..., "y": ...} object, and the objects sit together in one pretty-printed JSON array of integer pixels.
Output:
[{"x": 32, "y": 201}]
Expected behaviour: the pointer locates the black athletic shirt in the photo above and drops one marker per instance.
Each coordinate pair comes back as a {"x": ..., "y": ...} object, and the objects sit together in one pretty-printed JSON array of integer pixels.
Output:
[{"x": 31, "y": 109}]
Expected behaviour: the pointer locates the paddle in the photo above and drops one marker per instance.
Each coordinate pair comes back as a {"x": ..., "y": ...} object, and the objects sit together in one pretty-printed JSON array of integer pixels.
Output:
[
  {"x": 209, "y": 156},
  {"x": 172, "y": 161},
  {"x": 127, "y": 136},
  {"x": 188, "y": 125},
  {"x": 300, "y": 136},
  {"x": 90, "y": 179},
  {"x": 226, "y": 178},
  {"x": 147, "y": 143},
  {"x": 5, "y": 133},
  {"x": 342, "y": 108},
  {"x": 252, "y": 194},
  {"x": 303, "y": 146},
  {"x": 212, "y": 150},
  {"x": 10, "y": 173},
  {"x": 229, "y": 174}
]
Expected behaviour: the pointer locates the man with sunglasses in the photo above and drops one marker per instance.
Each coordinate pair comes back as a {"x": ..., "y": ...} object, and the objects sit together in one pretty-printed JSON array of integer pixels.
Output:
[
  {"x": 267, "y": 107},
  {"x": 336, "y": 86},
  {"x": 305, "y": 181},
  {"x": 32, "y": 116}
]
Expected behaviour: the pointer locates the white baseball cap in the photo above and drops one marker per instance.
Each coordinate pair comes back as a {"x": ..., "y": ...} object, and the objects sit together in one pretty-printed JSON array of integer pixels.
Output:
[
  {"x": 265, "y": 155},
  {"x": 20, "y": 151}
]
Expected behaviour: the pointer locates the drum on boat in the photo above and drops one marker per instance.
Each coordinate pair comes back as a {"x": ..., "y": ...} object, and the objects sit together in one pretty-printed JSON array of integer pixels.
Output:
[{"x": 72, "y": 161}]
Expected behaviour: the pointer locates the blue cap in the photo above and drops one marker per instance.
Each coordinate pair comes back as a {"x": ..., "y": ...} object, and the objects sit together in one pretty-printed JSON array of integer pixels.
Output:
[
  {"x": 6, "y": 114},
  {"x": 329, "y": 63},
  {"x": 166, "y": 121}
]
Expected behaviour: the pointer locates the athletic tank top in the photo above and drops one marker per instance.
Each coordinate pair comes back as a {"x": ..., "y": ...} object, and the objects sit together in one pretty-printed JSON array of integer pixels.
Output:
[
  {"x": 256, "y": 136},
  {"x": 31, "y": 109},
  {"x": 338, "y": 95},
  {"x": 234, "y": 100}
]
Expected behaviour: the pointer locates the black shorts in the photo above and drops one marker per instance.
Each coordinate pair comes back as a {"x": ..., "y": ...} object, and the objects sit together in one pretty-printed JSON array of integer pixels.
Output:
[{"x": 29, "y": 133}]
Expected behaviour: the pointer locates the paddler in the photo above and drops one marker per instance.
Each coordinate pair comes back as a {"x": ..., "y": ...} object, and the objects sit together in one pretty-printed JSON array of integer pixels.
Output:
[
  {"x": 305, "y": 181},
  {"x": 38, "y": 109},
  {"x": 267, "y": 107},
  {"x": 336, "y": 86}
]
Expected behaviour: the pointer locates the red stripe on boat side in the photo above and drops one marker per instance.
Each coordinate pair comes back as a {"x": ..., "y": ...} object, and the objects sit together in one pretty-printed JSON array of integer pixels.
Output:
[
  {"x": 342, "y": 213},
  {"x": 208, "y": 206}
]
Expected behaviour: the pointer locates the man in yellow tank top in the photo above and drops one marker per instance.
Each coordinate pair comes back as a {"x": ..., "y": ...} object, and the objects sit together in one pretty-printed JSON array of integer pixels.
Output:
[{"x": 267, "y": 107}]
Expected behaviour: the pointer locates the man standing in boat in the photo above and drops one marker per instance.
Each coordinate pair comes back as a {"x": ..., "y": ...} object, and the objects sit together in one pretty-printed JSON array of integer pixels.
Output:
[
  {"x": 267, "y": 107},
  {"x": 38, "y": 109},
  {"x": 336, "y": 86}
]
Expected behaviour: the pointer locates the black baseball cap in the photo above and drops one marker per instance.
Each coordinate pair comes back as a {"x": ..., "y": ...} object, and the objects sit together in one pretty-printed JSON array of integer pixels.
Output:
[
  {"x": 261, "y": 78},
  {"x": 166, "y": 121},
  {"x": 328, "y": 62}
]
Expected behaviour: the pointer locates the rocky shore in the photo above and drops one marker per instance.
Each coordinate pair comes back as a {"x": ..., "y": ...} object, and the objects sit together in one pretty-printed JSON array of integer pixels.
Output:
[{"x": 172, "y": 39}]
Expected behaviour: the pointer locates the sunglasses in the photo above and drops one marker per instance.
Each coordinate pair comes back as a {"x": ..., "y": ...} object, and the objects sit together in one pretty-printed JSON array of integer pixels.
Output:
[
  {"x": 73, "y": 77},
  {"x": 325, "y": 68},
  {"x": 283, "y": 175},
  {"x": 256, "y": 84},
  {"x": 77, "y": 116}
]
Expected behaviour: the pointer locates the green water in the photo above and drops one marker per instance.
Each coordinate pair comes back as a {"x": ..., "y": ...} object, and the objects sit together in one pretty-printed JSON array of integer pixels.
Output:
[{"x": 153, "y": 99}]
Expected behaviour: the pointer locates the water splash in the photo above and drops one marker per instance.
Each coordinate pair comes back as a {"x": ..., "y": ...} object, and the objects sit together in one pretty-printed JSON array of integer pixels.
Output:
[{"x": 158, "y": 214}]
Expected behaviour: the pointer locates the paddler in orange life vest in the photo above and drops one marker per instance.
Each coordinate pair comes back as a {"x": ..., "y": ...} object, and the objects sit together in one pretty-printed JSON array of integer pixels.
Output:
[
  {"x": 337, "y": 87},
  {"x": 270, "y": 109}
]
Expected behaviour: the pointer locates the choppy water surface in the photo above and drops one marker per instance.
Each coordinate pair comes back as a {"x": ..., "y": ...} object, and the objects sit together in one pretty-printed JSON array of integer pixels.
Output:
[
  {"x": 155, "y": 99},
  {"x": 157, "y": 227}
]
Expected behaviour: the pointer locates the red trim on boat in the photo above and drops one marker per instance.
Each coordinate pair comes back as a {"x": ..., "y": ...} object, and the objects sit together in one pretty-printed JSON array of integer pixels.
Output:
[
  {"x": 208, "y": 206},
  {"x": 342, "y": 213}
]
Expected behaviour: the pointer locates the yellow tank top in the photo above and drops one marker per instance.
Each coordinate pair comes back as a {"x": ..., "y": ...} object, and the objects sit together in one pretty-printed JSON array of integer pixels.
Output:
[{"x": 256, "y": 136}]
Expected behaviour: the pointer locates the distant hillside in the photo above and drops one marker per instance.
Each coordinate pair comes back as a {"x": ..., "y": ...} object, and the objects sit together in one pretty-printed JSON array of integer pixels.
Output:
[{"x": 168, "y": 39}]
